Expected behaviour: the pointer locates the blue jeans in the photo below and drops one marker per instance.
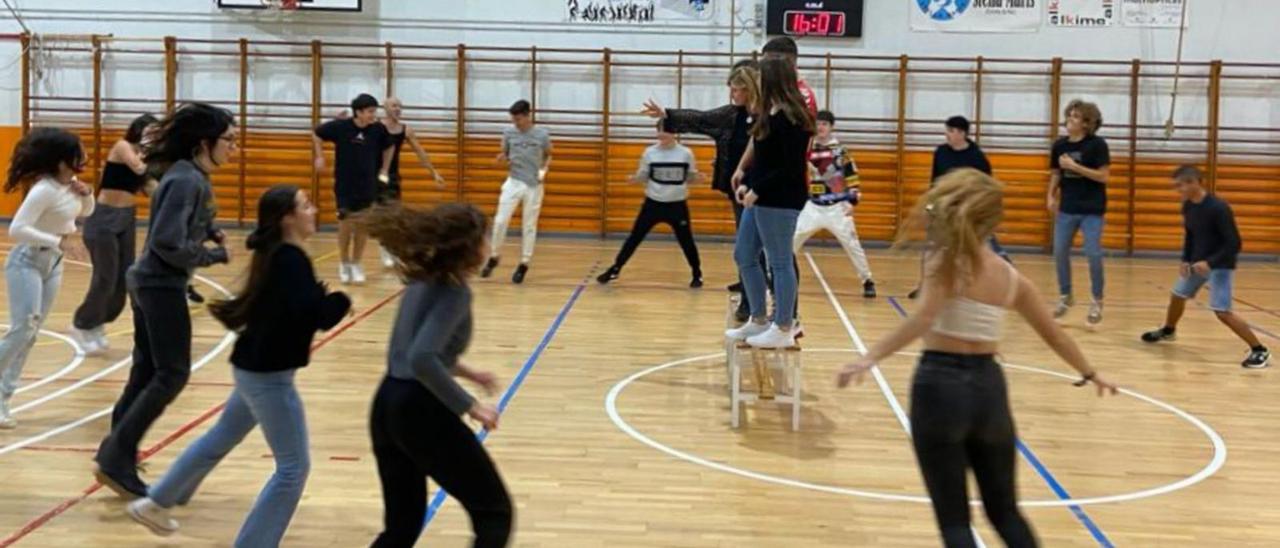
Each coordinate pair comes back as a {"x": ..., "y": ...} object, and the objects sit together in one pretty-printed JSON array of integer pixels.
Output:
[
  {"x": 1064, "y": 231},
  {"x": 770, "y": 229},
  {"x": 269, "y": 399},
  {"x": 1220, "y": 282},
  {"x": 33, "y": 275}
]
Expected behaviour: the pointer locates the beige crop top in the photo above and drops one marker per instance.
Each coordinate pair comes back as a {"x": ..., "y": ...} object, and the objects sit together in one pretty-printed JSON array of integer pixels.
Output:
[{"x": 969, "y": 320}]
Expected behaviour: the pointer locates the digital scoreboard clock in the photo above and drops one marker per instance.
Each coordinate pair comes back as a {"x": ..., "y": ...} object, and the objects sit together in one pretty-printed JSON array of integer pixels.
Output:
[{"x": 829, "y": 18}]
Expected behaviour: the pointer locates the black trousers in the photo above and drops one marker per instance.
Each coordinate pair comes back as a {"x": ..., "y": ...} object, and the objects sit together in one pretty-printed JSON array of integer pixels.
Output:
[
  {"x": 675, "y": 215},
  {"x": 960, "y": 420},
  {"x": 110, "y": 236},
  {"x": 161, "y": 366},
  {"x": 416, "y": 437}
]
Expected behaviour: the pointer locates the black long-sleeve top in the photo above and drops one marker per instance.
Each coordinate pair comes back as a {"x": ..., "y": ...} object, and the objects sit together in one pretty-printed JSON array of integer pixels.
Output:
[
  {"x": 728, "y": 126},
  {"x": 1212, "y": 234},
  {"x": 284, "y": 319},
  {"x": 780, "y": 169}
]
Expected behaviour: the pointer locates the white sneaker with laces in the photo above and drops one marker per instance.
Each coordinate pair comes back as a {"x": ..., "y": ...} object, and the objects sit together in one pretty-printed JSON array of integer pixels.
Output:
[
  {"x": 774, "y": 337},
  {"x": 7, "y": 422},
  {"x": 86, "y": 340},
  {"x": 747, "y": 330},
  {"x": 344, "y": 273},
  {"x": 1065, "y": 303},
  {"x": 388, "y": 260},
  {"x": 357, "y": 274},
  {"x": 150, "y": 514},
  {"x": 100, "y": 336},
  {"x": 1095, "y": 313}
]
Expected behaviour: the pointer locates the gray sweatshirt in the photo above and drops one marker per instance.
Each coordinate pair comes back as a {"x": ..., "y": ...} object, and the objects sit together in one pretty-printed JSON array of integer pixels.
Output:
[
  {"x": 182, "y": 213},
  {"x": 433, "y": 327}
]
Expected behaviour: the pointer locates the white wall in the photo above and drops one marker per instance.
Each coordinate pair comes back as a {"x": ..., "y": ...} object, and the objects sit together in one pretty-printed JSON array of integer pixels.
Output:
[{"x": 1232, "y": 30}]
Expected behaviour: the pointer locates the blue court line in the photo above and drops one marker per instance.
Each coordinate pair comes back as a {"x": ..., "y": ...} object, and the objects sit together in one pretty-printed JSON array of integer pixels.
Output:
[
  {"x": 1045, "y": 474},
  {"x": 510, "y": 393}
]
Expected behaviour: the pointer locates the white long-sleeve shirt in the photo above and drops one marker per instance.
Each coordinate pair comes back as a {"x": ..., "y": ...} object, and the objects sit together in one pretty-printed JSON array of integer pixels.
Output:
[{"x": 48, "y": 213}]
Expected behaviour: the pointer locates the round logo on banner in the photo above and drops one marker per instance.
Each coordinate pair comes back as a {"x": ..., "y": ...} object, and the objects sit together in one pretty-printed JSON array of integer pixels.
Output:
[{"x": 943, "y": 10}]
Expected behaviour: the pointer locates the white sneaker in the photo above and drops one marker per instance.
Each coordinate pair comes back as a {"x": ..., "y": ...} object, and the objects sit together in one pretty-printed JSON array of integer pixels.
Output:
[
  {"x": 100, "y": 336},
  {"x": 388, "y": 260},
  {"x": 7, "y": 422},
  {"x": 1095, "y": 313},
  {"x": 87, "y": 340},
  {"x": 774, "y": 337},
  {"x": 749, "y": 329},
  {"x": 357, "y": 274},
  {"x": 1065, "y": 303},
  {"x": 150, "y": 514},
  {"x": 344, "y": 273}
]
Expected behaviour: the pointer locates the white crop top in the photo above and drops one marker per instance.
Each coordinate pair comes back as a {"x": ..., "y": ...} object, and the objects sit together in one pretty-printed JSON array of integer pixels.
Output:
[{"x": 969, "y": 320}]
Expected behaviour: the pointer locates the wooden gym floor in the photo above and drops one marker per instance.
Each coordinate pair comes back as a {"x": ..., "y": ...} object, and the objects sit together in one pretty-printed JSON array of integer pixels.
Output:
[{"x": 601, "y": 446}]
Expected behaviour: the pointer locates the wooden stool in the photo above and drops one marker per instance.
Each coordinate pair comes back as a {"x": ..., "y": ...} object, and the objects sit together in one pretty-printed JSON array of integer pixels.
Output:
[{"x": 763, "y": 360}]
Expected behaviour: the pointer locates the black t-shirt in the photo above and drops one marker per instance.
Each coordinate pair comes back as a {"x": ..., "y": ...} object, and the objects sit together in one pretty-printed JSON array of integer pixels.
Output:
[
  {"x": 358, "y": 153},
  {"x": 397, "y": 140},
  {"x": 780, "y": 170},
  {"x": 946, "y": 159},
  {"x": 1211, "y": 235},
  {"x": 1080, "y": 195}
]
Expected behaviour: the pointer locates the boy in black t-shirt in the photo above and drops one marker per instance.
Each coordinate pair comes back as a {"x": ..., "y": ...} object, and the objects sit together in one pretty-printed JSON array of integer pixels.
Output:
[
  {"x": 1209, "y": 252},
  {"x": 1080, "y": 165},
  {"x": 362, "y": 156}
]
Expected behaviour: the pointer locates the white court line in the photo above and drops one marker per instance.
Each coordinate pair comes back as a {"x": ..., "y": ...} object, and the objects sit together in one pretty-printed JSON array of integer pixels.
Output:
[
  {"x": 75, "y": 361},
  {"x": 221, "y": 346},
  {"x": 1219, "y": 448},
  {"x": 875, "y": 369}
]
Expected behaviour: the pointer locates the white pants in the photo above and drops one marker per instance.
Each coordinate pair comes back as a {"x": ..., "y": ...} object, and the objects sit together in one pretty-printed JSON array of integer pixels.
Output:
[
  {"x": 513, "y": 193},
  {"x": 835, "y": 219}
]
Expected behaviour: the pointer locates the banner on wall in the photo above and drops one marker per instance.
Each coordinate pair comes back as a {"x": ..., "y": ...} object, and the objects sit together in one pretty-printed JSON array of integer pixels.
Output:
[
  {"x": 1082, "y": 13},
  {"x": 976, "y": 15},
  {"x": 635, "y": 11},
  {"x": 1152, "y": 13}
]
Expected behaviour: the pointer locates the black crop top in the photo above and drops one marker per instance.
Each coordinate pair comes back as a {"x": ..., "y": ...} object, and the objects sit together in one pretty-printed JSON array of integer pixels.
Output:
[{"x": 118, "y": 176}]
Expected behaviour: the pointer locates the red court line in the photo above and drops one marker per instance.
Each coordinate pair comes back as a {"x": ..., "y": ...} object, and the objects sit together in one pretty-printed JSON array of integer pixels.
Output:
[
  {"x": 224, "y": 384},
  {"x": 65, "y": 505},
  {"x": 59, "y": 449},
  {"x": 1255, "y": 307}
]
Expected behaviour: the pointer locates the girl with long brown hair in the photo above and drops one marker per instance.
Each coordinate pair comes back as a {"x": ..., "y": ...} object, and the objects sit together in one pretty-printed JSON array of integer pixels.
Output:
[{"x": 960, "y": 415}]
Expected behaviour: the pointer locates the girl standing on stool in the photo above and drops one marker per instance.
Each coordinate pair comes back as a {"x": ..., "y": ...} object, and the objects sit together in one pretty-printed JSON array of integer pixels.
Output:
[
  {"x": 665, "y": 167},
  {"x": 277, "y": 315},
  {"x": 44, "y": 166},
  {"x": 773, "y": 196},
  {"x": 960, "y": 415},
  {"x": 110, "y": 235},
  {"x": 415, "y": 424}
]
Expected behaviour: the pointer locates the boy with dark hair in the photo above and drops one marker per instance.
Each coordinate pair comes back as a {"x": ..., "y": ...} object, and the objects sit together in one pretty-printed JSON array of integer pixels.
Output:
[
  {"x": 362, "y": 156},
  {"x": 666, "y": 167},
  {"x": 1209, "y": 251},
  {"x": 833, "y": 191},
  {"x": 785, "y": 47},
  {"x": 526, "y": 149}
]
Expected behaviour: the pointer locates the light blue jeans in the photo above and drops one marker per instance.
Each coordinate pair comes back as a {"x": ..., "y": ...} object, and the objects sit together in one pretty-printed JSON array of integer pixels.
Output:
[
  {"x": 1065, "y": 227},
  {"x": 269, "y": 399},
  {"x": 770, "y": 229},
  {"x": 33, "y": 275}
]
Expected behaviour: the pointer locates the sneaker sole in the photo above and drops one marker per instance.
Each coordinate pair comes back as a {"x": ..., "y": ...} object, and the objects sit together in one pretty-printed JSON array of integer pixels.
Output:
[
  {"x": 111, "y": 484},
  {"x": 155, "y": 528},
  {"x": 1262, "y": 365}
]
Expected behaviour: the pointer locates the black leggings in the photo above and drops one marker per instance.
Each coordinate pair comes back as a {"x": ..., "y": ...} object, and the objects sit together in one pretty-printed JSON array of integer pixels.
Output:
[
  {"x": 416, "y": 437},
  {"x": 674, "y": 214},
  {"x": 960, "y": 420}
]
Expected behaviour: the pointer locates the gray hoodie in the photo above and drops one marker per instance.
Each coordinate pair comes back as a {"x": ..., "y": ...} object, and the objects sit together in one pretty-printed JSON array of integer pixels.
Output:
[{"x": 183, "y": 209}]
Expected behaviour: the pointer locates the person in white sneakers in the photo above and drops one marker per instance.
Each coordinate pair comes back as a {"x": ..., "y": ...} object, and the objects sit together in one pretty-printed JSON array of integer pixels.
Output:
[
  {"x": 362, "y": 156},
  {"x": 44, "y": 167},
  {"x": 527, "y": 150},
  {"x": 833, "y": 191},
  {"x": 773, "y": 196}
]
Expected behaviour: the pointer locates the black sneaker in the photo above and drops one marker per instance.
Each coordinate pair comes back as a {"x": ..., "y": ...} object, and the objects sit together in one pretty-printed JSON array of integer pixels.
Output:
[
  {"x": 518, "y": 276},
  {"x": 194, "y": 296},
  {"x": 1258, "y": 359},
  {"x": 735, "y": 287},
  {"x": 488, "y": 267},
  {"x": 607, "y": 276},
  {"x": 869, "y": 289},
  {"x": 127, "y": 486},
  {"x": 1157, "y": 335},
  {"x": 696, "y": 282},
  {"x": 915, "y": 293},
  {"x": 743, "y": 313}
]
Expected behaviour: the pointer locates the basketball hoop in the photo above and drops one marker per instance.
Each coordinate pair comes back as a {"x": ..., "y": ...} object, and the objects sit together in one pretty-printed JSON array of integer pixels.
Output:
[{"x": 279, "y": 9}]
